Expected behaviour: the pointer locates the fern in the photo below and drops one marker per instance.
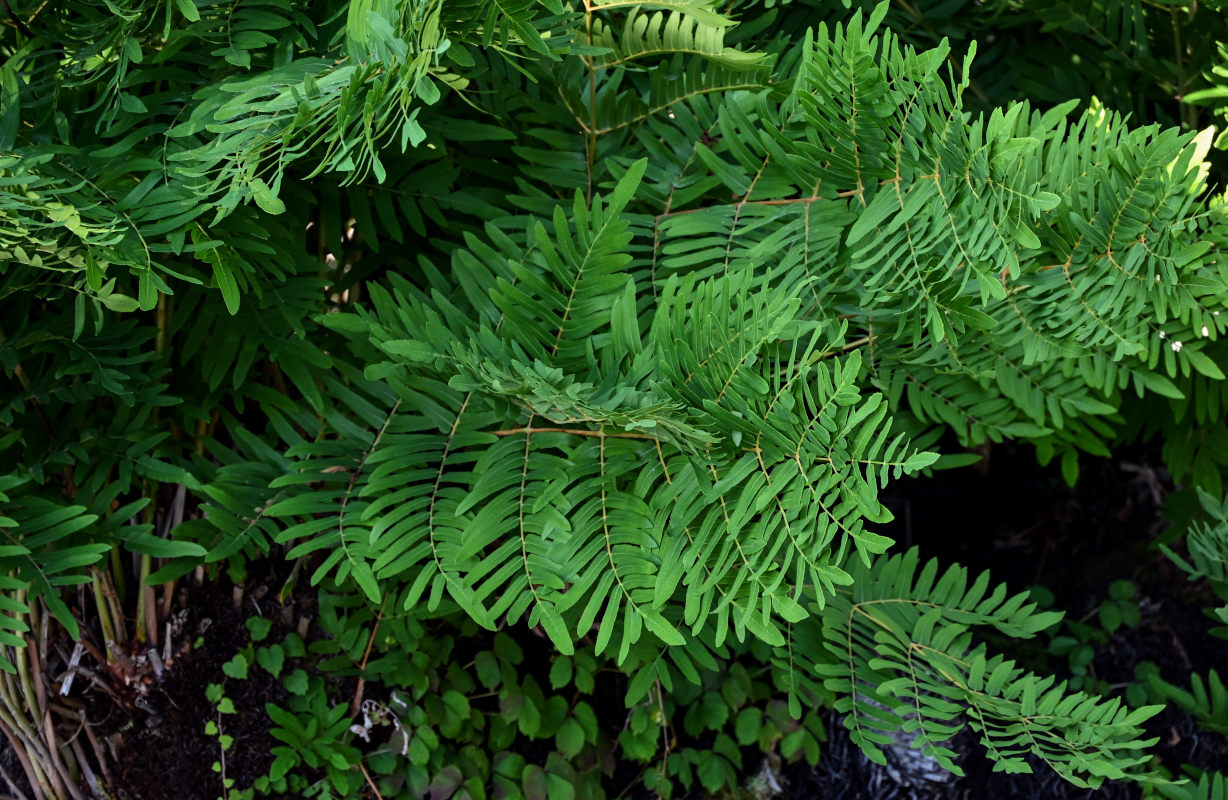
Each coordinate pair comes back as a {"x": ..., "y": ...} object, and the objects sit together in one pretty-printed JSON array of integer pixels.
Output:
[{"x": 611, "y": 321}]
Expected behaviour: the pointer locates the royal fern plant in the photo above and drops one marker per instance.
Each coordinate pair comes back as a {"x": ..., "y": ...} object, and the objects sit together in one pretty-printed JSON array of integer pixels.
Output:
[{"x": 612, "y": 320}]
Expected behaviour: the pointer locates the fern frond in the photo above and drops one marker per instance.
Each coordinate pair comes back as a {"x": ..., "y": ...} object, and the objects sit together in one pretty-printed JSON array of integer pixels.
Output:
[
  {"x": 1207, "y": 543},
  {"x": 900, "y": 654},
  {"x": 1210, "y": 786}
]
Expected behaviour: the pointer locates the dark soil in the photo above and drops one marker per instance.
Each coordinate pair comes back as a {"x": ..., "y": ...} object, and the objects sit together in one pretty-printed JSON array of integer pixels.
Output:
[{"x": 165, "y": 752}]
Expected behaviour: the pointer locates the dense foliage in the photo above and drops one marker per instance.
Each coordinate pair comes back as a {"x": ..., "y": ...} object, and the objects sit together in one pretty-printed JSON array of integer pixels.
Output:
[{"x": 601, "y": 326}]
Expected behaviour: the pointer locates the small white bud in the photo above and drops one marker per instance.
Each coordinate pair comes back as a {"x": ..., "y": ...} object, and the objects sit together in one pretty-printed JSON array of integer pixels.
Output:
[
  {"x": 1176, "y": 347},
  {"x": 1163, "y": 334},
  {"x": 1205, "y": 332}
]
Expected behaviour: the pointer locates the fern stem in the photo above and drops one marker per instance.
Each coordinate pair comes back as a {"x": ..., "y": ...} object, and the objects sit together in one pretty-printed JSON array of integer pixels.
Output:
[
  {"x": 17, "y": 22},
  {"x": 601, "y": 434},
  {"x": 160, "y": 316},
  {"x": 38, "y": 782},
  {"x": 34, "y": 700},
  {"x": 118, "y": 582},
  {"x": 853, "y": 345},
  {"x": 370, "y": 782},
  {"x": 104, "y": 616},
  {"x": 1188, "y": 114},
  {"x": 31, "y": 696},
  {"x": 145, "y": 628},
  {"x": 146, "y": 607},
  {"x": 590, "y": 133},
  {"x": 68, "y": 773},
  {"x": 366, "y": 655},
  {"x": 146, "y": 612},
  {"x": 785, "y": 201},
  {"x": 26, "y": 740}
]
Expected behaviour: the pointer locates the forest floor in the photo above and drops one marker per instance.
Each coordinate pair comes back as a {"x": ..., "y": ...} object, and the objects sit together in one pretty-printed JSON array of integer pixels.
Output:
[{"x": 168, "y": 753}]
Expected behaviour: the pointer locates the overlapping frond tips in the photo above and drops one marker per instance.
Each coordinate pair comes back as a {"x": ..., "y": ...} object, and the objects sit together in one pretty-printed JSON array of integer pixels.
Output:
[
  {"x": 702, "y": 465},
  {"x": 654, "y": 34}
]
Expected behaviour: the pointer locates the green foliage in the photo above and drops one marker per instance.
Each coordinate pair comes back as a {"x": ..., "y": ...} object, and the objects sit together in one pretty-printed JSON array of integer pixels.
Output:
[
  {"x": 453, "y": 710},
  {"x": 901, "y": 656},
  {"x": 1206, "y": 541},
  {"x": 1078, "y": 640},
  {"x": 1210, "y": 786},
  {"x": 609, "y": 323},
  {"x": 225, "y": 707},
  {"x": 1207, "y": 544},
  {"x": 1206, "y": 700}
]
